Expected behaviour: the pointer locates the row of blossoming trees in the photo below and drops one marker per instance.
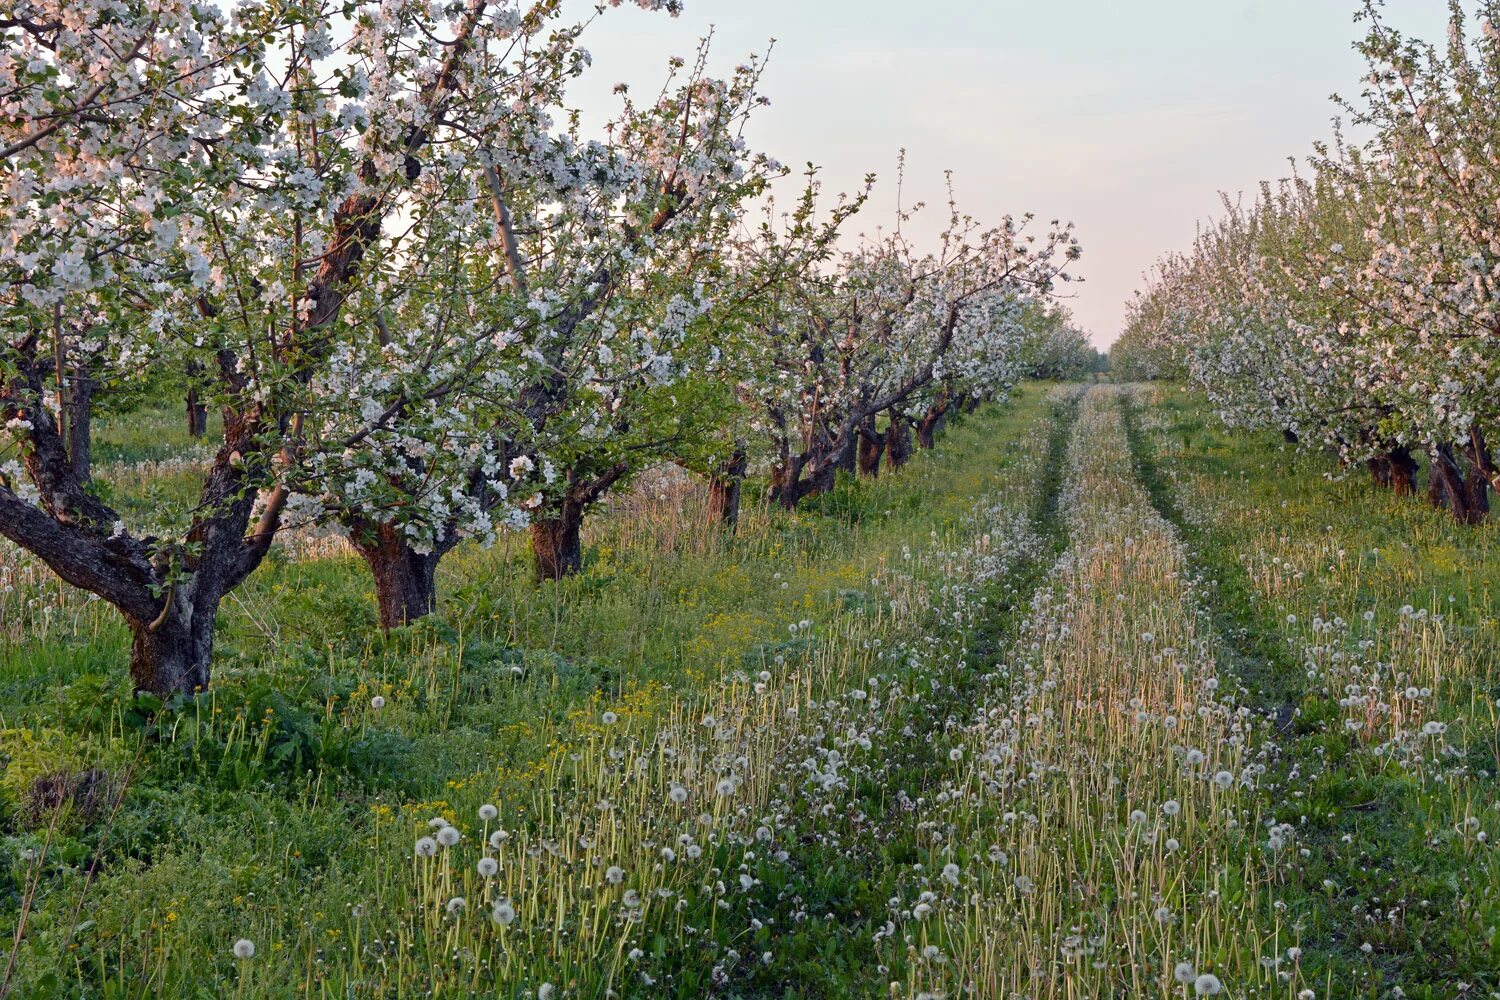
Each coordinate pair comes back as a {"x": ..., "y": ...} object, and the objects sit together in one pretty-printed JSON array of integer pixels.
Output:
[
  {"x": 1354, "y": 307},
  {"x": 427, "y": 305}
]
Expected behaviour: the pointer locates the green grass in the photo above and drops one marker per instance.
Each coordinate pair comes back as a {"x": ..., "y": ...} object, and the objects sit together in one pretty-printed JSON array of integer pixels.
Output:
[
  {"x": 1396, "y": 887},
  {"x": 987, "y": 661},
  {"x": 280, "y": 801}
]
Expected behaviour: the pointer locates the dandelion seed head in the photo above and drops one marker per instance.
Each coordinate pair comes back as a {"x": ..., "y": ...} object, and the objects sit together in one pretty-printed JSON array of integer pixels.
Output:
[{"x": 244, "y": 948}]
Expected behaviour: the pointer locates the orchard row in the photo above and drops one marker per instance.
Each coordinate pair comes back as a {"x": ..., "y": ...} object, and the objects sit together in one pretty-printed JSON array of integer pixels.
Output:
[
  {"x": 1356, "y": 306},
  {"x": 431, "y": 304}
]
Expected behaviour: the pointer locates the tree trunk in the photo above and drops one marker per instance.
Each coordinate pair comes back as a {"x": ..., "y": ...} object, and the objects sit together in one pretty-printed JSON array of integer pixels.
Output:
[
  {"x": 172, "y": 654},
  {"x": 1394, "y": 469},
  {"x": 927, "y": 429},
  {"x": 405, "y": 580},
  {"x": 871, "y": 446},
  {"x": 1448, "y": 487},
  {"x": 724, "y": 487},
  {"x": 555, "y": 543},
  {"x": 897, "y": 442},
  {"x": 1289, "y": 436},
  {"x": 197, "y": 415},
  {"x": 81, "y": 424}
]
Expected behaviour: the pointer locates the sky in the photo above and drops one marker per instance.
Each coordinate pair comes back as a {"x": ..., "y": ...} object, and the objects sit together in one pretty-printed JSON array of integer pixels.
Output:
[{"x": 1127, "y": 117}]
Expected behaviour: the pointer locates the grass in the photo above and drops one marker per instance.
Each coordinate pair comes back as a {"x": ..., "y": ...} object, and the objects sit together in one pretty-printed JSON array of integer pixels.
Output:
[
  {"x": 283, "y": 806},
  {"x": 1095, "y": 700}
]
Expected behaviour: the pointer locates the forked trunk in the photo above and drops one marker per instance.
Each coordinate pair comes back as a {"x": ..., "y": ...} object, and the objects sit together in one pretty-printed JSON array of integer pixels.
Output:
[
  {"x": 172, "y": 654},
  {"x": 405, "y": 579},
  {"x": 555, "y": 543}
]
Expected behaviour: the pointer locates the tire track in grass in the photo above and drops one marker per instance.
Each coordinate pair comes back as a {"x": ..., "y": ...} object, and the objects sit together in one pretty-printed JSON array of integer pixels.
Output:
[
  {"x": 1359, "y": 822},
  {"x": 1098, "y": 806},
  {"x": 832, "y": 891}
]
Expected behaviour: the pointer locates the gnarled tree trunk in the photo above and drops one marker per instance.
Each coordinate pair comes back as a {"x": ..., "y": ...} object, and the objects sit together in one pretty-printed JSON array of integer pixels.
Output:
[
  {"x": 897, "y": 442},
  {"x": 1465, "y": 497},
  {"x": 724, "y": 487},
  {"x": 1395, "y": 470},
  {"x": 172, "y": 653},
  {"x": 556, "y": 544},
  {"x": 871, "y": 446},
  {"x": 405, "y": 579}
]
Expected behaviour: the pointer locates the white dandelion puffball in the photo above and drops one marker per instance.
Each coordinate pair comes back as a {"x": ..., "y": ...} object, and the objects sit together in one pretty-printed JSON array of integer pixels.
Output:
[
  {"x": 456, "y": 905},
  {"x": 448, "y": 836},
  {"x": 614, "y": 875},
  {"x": 377, "y": 702},
  {"x": 950, "y": 873},
  {"x": 1171, "y": 807},
  {"x": 488, "y": 812},
  {"x": 488, "y": 867},
  {"x": 1184, "y": 973},
  {"x": 725, "y": 786},
  {"x": 426, "y": 847},
  {"x": 610, "y": 718},
  {"x": 1207, "y": 985},
  {"x": 244, "y": 948},
  {"x": 677, "y": 793},
  {"x": 1224, "y": 779},
  {"x": 503, "y": 913},
  {"x": 497, "y": 838},
  {"x": 545, "y": 991}
]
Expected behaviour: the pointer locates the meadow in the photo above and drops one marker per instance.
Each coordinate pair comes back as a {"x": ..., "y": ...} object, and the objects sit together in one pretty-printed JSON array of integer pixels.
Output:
[{"x": 1054, "y": 711}]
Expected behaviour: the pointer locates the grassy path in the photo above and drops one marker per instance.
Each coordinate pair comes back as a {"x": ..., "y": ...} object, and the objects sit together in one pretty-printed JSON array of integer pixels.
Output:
[{"x": 1384, "y": 697}]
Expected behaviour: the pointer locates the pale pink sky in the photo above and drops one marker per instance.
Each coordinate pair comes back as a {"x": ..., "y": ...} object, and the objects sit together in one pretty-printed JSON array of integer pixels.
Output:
[{"x": 1126, "y": 116}]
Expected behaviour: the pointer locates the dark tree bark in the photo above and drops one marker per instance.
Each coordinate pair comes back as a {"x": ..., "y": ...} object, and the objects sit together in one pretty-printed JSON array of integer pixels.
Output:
[
  {"x": 197, "y": 415},
  {"x": 405, "y": 579},
  {"x": 1288, "y": 435},
  {"x": 555, "y": 542},
  {"x": 81, "y": 424},
  {"x": 927, "y": 429},
  {"x": 1465, "y": 497},
  {"x": 871, "y": 447},
  {"x": 1396, "y": 470},
  {"x": 172, "y": 653},
  {"x": 724, "y": 487},
  {"x": 897, "y": 442}
]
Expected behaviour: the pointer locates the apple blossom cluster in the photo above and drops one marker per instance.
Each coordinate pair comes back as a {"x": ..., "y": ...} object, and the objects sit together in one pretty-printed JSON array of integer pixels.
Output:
[{"x": 1355, "y": 308}]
